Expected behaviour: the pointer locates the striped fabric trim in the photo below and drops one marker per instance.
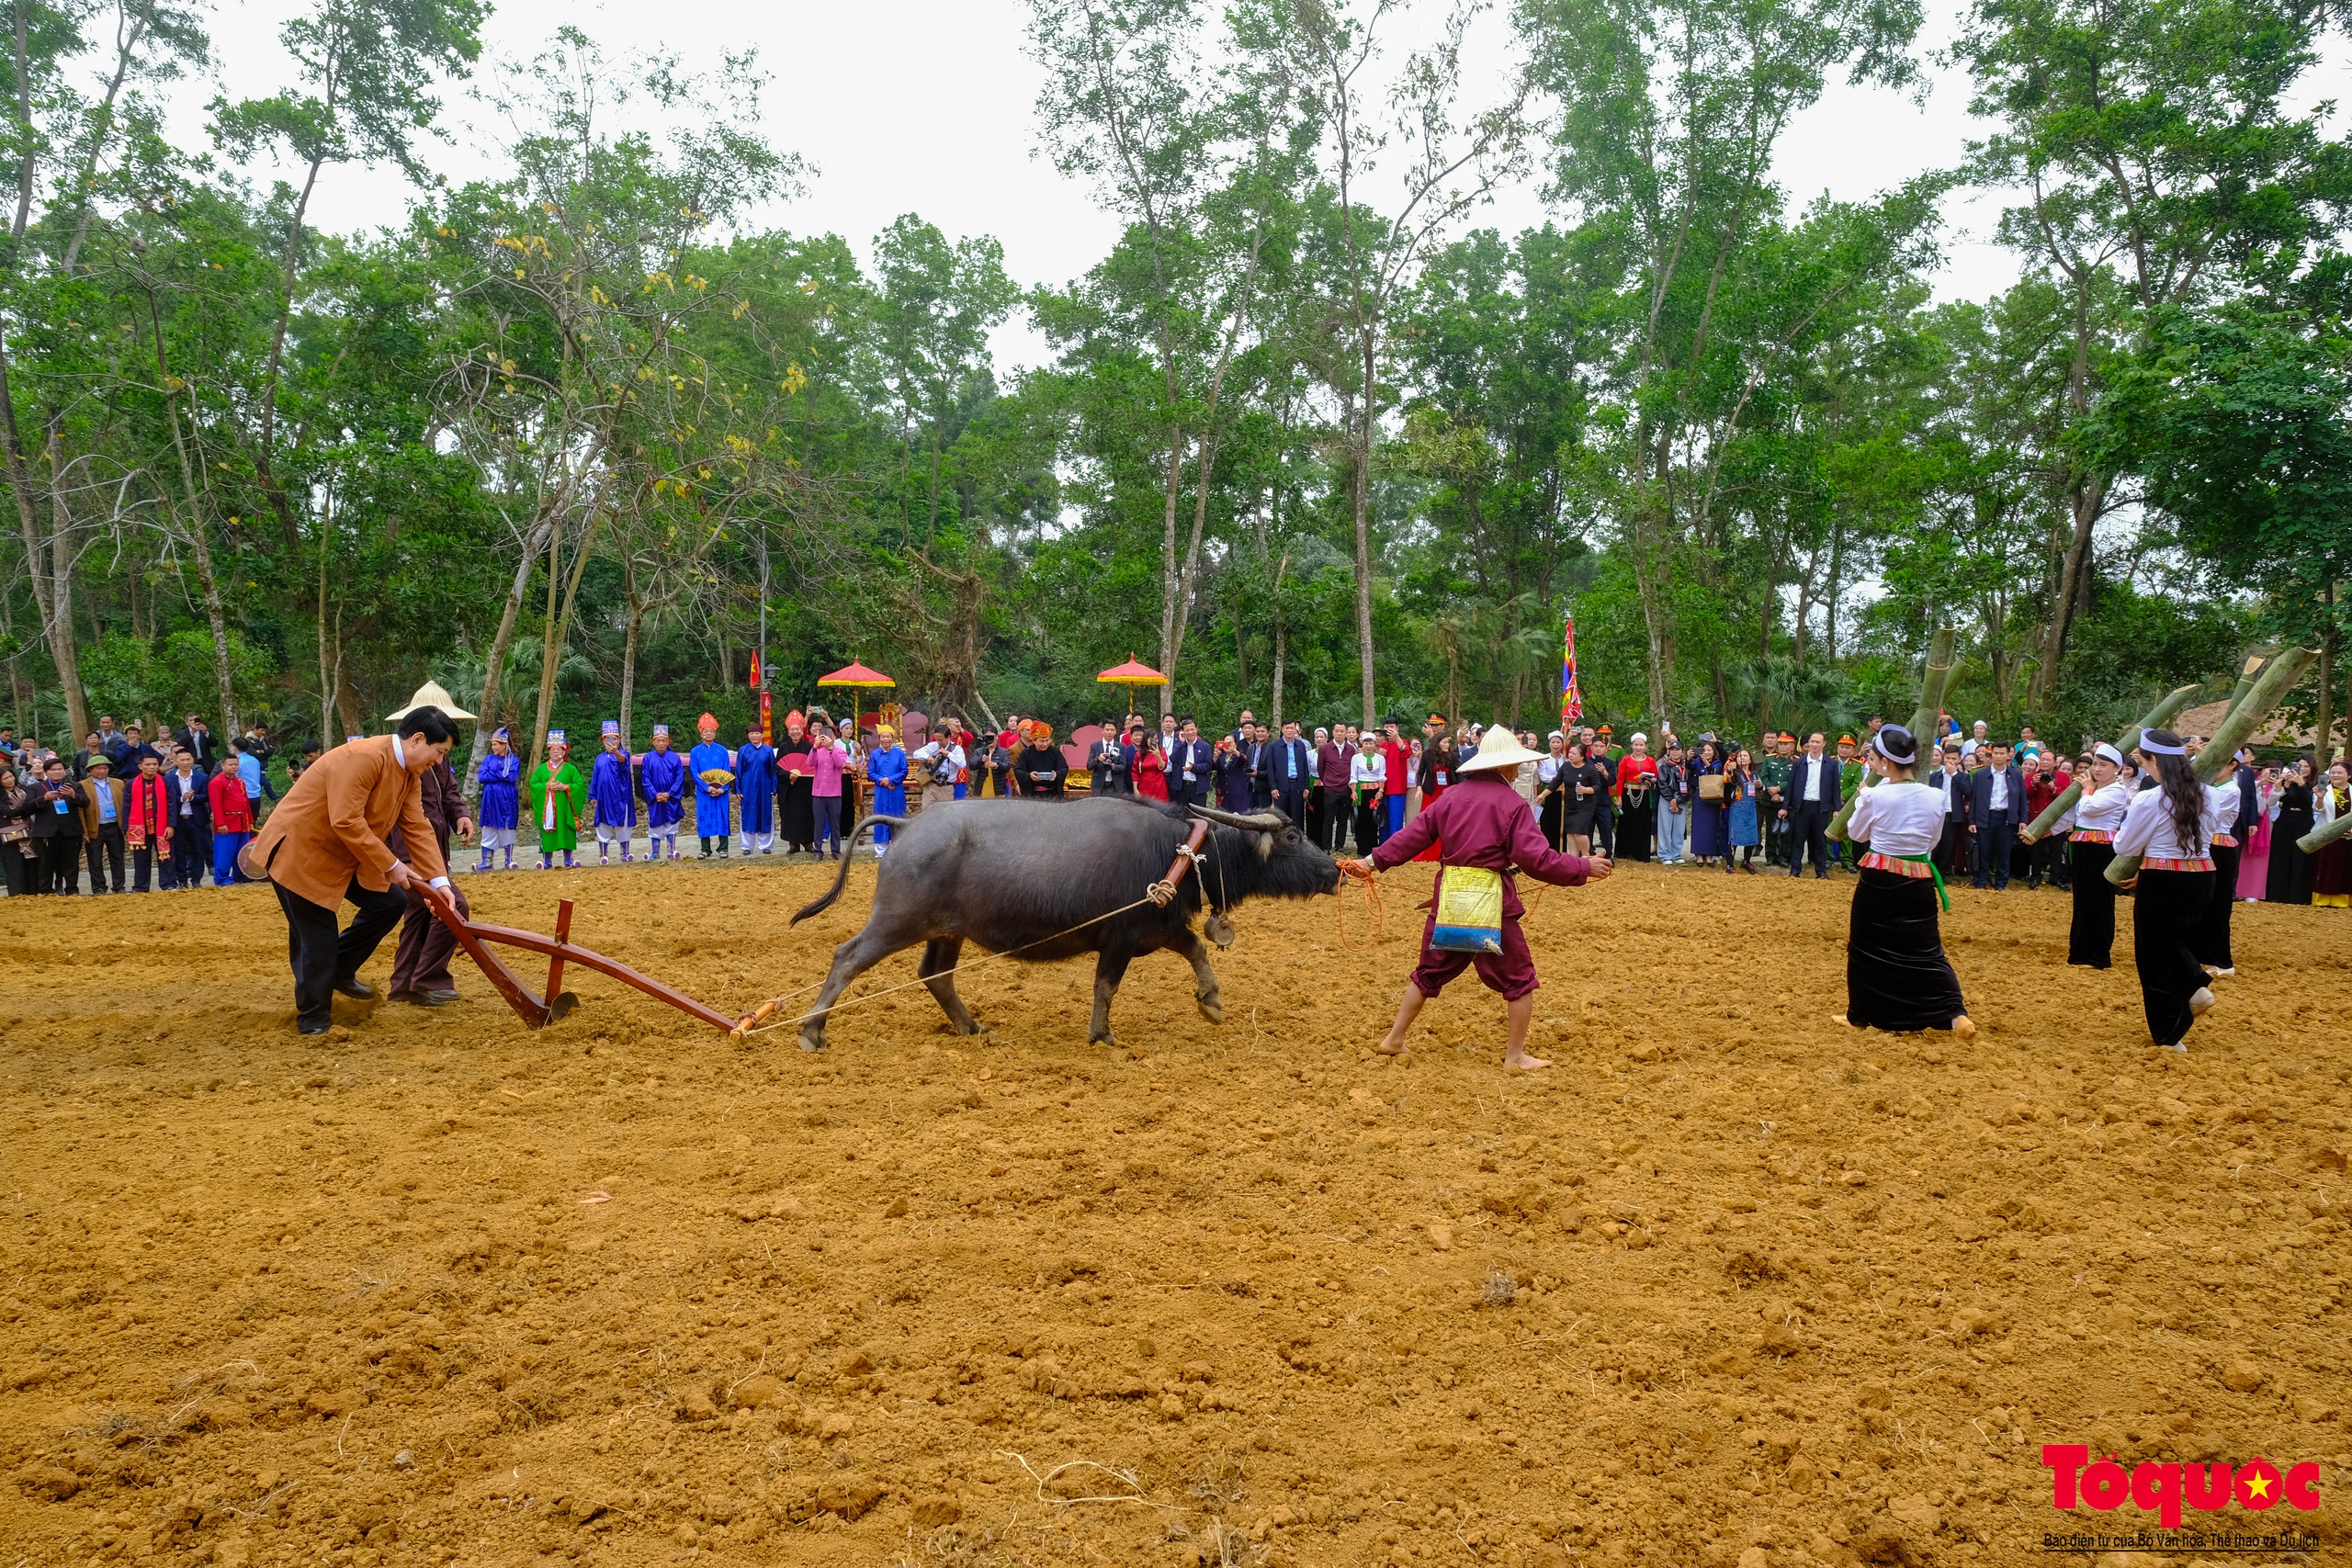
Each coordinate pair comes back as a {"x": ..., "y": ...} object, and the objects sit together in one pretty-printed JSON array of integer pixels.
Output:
[
  {"x": 2225, "y": 841},
  {"x": 2160, "y": 864},
  {"x": 1918, "y": 870},
  {"x": 2093, "y": 836}
]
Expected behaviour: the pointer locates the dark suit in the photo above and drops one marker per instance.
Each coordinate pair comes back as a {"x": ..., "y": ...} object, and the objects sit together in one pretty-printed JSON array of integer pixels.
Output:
[
  {"x": 191, "y": 829},
  {"x": 1809, "y": 819},
  {"x": 1996, "y": 830},
  {"x": 1951, "y": 849},
  {"x": 1286, "y": 772},
  {"x": 202, "y": 745},
  {"x": 1196, "y": 755},
  {"x": 1113, "y": 766}
]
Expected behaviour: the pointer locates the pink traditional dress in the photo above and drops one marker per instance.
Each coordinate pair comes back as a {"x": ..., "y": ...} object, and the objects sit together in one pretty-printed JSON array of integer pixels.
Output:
[{"x": 2254, "y": 859}]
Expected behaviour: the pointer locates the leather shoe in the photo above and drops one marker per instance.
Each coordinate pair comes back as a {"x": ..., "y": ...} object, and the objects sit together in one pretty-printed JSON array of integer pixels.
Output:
[
  {"x": 425, "y": 998},
  {"x": 358, "y": 990},
  {"x": 312, "y": 1028}
]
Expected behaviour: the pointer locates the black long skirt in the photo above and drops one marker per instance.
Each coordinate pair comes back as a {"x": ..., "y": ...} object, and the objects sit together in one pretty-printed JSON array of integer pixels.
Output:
[
  {"x": 2166, "y": 909},
  {"x": 1551, "y": 820},
  {"x": 1634, "y": 831},
  {"x": 1897, "y": 977},
  {"x": 2289, "y": 879},
  {"x": 797, "y": 822},
  {"x": 2090, "y": 940},
  {"x": 2211, "y": 940}
]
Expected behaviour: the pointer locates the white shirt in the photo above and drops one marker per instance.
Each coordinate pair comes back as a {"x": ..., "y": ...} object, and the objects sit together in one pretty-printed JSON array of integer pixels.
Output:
[
  {"x": 400, "y": 757},
  {"x": 2147, "y": 830},
  {"x": 1813, "y": 768},
  {"x": 952, "y": 754},
  {"x": 2000, "y": 801},
  {"x": 2221, "y": 808},
  {"x": 2101, "y": 810},
  {"x": 1898, "y": 818},
  {"x": 1363, "y": 770},
  {"x": 1951, "y": 793}
]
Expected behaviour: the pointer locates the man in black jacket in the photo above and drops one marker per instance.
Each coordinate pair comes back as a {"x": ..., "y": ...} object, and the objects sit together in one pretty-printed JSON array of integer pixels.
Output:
[
  {"x": 1112, "y": 764},
  {"x": 201, "y": 742},
  {"x": 1812, "y": 800},
  {"x": 1952, "y": 780},
  {"x": 1995, "y": 809},
  {"x": 57, "y": 828}
]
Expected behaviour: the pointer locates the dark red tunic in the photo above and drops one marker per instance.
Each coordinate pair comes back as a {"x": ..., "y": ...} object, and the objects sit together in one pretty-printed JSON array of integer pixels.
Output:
[{"x": 1482, "y": 821}]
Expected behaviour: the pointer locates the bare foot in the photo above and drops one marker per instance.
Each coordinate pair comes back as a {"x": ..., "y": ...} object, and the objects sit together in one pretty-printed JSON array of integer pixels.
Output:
[
  {"x": 1390, "y": 1048},
  {"x": 1963, "y": 1028},
  {"x": 1523, "y": 1063}
]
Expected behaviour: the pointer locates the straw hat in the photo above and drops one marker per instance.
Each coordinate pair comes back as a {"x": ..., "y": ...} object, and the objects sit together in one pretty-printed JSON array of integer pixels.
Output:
[
  {"x": 1501, "y": 749},
  {"x": 432, "y": 694}
]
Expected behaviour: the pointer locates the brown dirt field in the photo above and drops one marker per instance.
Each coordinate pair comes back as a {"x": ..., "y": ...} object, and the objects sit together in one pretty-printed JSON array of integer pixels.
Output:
[{"x": 1732, "y": 1286}]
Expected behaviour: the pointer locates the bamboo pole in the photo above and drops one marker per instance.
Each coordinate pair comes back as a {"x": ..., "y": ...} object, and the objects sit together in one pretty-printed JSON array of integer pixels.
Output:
[
  {"x": 2278, "y": 677},
  {"x": 1932, "y": 681},
  {"x": 2318, "y": 839},
  {"x": 2155, "y": 719}
]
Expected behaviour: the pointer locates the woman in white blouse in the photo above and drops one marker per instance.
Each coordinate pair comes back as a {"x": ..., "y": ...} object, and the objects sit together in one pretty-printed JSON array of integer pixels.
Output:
[
  {"x": 2170, "y": 829},
  {"x": 1897, "y": 977},
  {"x": 2090, "y": 942}
]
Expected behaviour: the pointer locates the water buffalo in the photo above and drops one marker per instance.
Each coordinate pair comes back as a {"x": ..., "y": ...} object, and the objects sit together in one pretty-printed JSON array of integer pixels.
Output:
[{"x": 1004, "y": 874}]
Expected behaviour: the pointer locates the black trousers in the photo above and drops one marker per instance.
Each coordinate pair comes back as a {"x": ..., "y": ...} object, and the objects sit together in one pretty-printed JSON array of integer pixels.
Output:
[
  {"x": 321, "y": 956},
  {"x": 1372, "y": 822},
  {"x": 2090, "y": 939},
  {"x": 1809, "y": 834},
  {"x": 191, "y": 856},
  {"x": 1604, "y": 827},
  {"x": 1994, "y": 838},
  {"x": 105, "y": 855},
  {"x": 146, "y": 863},
  {"x": 2212, "y": 938},
  {"x": 18, "y": 869},
  {"x": 2167, "y": 908},
  {"x": 1335, "y": 806},
  {"x": 1291, "y": 803},
  {"x": 60, "y": 866},
  {"x": 1951, "y": 849}
]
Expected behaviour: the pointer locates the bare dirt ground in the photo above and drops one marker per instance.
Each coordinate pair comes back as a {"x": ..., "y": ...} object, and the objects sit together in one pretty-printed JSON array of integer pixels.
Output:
[{"x": 1733, "y": 1286}]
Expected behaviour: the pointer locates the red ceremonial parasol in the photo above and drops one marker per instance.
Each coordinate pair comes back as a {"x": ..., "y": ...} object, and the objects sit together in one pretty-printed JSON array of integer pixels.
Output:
[
  {"x": 1131, "y": 674},
  {"x": 856, "y": 677}
]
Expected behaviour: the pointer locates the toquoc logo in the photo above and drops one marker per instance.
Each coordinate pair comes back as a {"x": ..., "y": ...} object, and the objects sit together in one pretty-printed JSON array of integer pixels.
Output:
[{"x": 2106, "y": 1485}]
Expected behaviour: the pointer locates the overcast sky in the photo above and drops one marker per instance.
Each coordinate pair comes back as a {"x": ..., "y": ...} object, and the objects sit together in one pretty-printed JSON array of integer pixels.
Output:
[{"x": 925, "y": 106}]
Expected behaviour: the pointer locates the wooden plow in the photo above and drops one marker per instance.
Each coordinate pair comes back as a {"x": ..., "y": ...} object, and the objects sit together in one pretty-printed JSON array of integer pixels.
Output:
[{"x": 536, "y": 1012}]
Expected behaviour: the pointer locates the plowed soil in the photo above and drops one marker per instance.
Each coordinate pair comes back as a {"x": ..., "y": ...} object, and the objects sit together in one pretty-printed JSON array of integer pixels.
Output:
[{"x": 1732, "y": 1285}]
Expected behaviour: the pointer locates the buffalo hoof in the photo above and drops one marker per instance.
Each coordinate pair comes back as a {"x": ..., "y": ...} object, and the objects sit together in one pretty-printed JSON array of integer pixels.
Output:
[
  {"x": 1211, "y": 1009},
  {"x": 811, "y": 1043},
  {"x": 1104, "y": 1040}
]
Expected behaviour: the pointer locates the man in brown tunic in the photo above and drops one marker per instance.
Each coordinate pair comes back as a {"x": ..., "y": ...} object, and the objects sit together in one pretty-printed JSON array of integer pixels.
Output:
[{"x": 420, "y": 963}]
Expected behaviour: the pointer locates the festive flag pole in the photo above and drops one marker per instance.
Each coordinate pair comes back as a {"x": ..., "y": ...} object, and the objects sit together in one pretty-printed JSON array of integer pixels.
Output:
[{"x": 1571, "y": 697}]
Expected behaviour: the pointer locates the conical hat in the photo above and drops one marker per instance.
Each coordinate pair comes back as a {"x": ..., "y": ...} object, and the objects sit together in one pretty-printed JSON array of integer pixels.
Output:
[
  {"x": 432, "y": 694},
  {"x": 1499, "y": 748}
]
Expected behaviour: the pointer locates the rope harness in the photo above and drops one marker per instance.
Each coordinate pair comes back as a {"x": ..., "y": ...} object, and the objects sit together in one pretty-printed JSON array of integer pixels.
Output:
[{"x": 763, "y": 1018}]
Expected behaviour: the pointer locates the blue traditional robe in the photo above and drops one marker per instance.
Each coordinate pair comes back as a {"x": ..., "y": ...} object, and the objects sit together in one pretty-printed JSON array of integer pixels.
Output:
[
  {"x": 711, "y": 812},
  {"x": 885, "y": 770},
  {"x": 756, "y": 782},
  {"x": 613, "y": 789},
  {"x": 662, "y": 772},
  {"x": 501, "y": 790}
]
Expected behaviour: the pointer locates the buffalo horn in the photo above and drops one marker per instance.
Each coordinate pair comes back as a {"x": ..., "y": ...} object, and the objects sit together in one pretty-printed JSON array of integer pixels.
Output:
[{"x": 1256, "y": 822}]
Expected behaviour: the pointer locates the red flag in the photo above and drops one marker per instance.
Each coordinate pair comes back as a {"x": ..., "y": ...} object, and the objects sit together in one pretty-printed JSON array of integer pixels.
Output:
[{"x": 755, "y": 670}]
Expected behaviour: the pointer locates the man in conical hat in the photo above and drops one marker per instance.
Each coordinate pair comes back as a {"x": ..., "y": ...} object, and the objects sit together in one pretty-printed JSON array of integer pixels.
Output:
[
  {"x": 1484, "y": 829},
  {"x": 421, "y": 959}
]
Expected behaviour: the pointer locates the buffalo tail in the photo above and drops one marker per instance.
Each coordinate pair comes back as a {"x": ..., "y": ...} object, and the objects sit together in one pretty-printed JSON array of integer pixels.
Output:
[{"x": 849, "y": 847}]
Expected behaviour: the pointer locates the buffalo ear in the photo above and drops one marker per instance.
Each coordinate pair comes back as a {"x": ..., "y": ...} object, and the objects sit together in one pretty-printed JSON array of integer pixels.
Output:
[{"x": 1265, "y": 846}]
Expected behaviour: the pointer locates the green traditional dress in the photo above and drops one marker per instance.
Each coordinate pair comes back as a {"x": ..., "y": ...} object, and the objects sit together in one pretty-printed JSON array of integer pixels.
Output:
[{"x": 556, "y": 811}]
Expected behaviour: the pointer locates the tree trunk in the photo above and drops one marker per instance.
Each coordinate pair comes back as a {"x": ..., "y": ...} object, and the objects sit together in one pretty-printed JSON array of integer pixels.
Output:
[
  {"x": 486, "y": 706},
  {"x": 2322, "y": 747},
  {"x": 1168, "y": 574},
  {"x": 628, "y": 663},
  {"x": 546, "y": 640},
  {"x": 2072, "y": 586},
  {"x": 1359, "y": 485},
  {"x": 198, "y": 535}
]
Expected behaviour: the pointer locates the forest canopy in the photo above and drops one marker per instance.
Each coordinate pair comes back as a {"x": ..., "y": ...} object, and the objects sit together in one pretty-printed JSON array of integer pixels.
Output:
[{"x": 580, "y": 438}]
